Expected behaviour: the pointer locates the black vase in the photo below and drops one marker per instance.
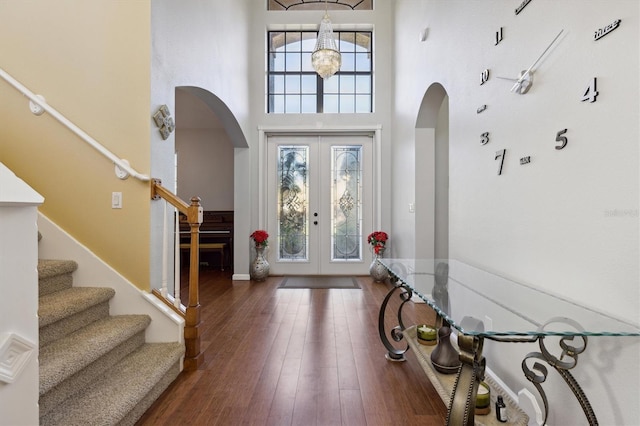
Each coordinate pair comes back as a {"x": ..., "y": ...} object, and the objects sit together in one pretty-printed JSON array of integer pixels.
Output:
[{"x": 445, "y": 357}]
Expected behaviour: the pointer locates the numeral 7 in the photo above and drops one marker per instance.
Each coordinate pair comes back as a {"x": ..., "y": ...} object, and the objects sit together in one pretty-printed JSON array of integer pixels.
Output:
[{"x": 501, "y": 154}]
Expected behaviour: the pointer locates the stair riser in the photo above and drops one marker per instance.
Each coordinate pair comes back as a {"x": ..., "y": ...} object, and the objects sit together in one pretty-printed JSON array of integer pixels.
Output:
[
  {"x": 52, "y": 284},
  {"x": 55, "y": 275},
  {"x": 88, "y": 375},
  {"x": 73, "y": 323},
  {"x": 150, "y": 398},
  {"x": 121, "y": 394}
]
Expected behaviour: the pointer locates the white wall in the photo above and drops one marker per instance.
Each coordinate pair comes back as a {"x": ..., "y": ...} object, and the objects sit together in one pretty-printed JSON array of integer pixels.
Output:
[
  {"x": 19, "y": 304},
  {"x": 381, "y": 22},
  {"x": 568, "y": 221},
  {"x": 441, "y": 201},
  {"x": 205, "y": 167},
  {"x": 202, "y": 44}
]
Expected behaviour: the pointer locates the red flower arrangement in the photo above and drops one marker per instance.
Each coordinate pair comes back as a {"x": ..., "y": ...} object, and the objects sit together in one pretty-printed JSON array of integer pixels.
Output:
[
  {"x": 260, "y": 237},
  {"x": 377, "y": 240}
]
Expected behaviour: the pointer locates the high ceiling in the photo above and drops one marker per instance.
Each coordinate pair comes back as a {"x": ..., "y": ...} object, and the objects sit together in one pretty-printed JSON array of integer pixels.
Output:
[{"x": 320, "y": 4}]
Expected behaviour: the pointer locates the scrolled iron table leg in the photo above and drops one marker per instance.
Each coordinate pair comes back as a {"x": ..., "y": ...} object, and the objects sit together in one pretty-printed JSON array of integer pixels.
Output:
[
  {"x": 570, "y": 352},
  {"x": 394, "y": 354}
]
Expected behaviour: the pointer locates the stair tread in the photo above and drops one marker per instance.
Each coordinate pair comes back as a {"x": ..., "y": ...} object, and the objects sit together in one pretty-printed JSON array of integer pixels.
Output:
[
  {"x": 67, "y": 356},
  {"x": 64, "y": 303},
  {"x": 52, "y": 267},
  {"x": 118, "y": 391}
]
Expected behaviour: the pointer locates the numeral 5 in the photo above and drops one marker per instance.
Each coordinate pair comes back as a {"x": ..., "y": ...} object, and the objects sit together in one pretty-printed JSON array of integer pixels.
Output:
[{"x": 562, "y": 139}]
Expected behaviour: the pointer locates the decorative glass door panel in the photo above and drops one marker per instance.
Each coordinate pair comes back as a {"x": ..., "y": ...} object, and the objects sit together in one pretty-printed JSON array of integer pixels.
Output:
[
  {"x": 293, "y": 203},
  {"x": 346, "y": 203},
  {"x": 319, "y": 201}
]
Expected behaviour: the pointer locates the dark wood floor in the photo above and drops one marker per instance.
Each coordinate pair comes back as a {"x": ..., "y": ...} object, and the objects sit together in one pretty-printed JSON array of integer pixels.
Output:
[{"x": 297, "y": 357}]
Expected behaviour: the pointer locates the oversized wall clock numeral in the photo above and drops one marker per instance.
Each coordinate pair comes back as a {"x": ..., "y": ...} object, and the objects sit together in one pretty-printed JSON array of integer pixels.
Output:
[
  {"x": 562, "y": 139},
  {"x": 498, "y": 36},
  {"x": 484, "y": 77},
  {"x": 601, "y": 32},
  {"x": 500, "y": 155},
  {"x": 591, "y": 93},
  {"x": 482, "y": 108},
  {"x": 484, "y": 138}
]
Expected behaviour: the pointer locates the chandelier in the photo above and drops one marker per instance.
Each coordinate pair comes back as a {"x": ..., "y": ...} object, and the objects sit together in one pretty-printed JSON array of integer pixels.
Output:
[{"x": 326, "y": 58}]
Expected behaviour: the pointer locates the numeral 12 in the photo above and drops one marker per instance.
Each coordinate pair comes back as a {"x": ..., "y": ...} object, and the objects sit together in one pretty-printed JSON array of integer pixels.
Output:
[{"x": 498, "y": 36}]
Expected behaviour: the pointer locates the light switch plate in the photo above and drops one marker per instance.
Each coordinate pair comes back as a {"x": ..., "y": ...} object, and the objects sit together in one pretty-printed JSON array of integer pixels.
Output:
[{"x": 116, "y": 200}]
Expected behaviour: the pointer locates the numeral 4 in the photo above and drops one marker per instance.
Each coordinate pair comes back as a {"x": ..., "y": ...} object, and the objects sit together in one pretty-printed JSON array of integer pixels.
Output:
[{"x": 591, "y": 93}]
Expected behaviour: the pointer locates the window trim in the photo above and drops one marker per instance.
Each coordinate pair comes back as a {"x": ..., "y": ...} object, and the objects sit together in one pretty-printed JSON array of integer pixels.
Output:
[{"x": 320, "y": 83}]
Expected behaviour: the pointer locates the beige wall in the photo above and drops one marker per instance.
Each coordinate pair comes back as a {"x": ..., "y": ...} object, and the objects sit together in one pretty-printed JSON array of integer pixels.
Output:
[{"x": 98, "y": 77}]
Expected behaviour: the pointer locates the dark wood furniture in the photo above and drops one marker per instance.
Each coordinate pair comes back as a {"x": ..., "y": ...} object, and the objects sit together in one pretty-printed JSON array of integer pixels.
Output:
[{"x": 216, "y": 235}]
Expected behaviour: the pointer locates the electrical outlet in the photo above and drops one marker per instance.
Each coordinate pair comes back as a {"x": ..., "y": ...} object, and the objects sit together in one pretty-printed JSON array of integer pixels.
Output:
[
  {"x": 116, "y": 200},
  {"x": 412, "y": 208}
]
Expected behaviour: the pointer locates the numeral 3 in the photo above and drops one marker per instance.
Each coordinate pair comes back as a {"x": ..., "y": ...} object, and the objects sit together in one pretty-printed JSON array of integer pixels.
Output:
[{"x": 484, "y": 138}]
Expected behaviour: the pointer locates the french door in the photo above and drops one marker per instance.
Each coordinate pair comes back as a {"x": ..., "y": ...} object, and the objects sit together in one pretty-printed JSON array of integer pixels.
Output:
[{"x": 319, "y": 204}]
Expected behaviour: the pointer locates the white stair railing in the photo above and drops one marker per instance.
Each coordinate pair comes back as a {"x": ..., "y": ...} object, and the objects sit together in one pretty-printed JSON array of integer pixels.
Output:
[
  {"x": 39, "y": 105},
  {"x": 171, "y": 292}
]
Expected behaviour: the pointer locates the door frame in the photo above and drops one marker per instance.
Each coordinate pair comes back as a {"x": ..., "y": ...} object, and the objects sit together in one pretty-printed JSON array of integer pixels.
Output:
[{"x": 265, "y": 131}]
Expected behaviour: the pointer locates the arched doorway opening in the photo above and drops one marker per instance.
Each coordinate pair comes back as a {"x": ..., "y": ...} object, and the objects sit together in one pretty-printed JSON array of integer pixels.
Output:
[
  {"x": 207, "y": 134},
  {"x": 432, "y": 175}
]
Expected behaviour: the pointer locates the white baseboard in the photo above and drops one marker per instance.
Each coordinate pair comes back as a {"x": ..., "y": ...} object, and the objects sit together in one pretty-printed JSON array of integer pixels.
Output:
[
  {"x": 240, "y": 277},
  {"x": 529, "y": 405}
]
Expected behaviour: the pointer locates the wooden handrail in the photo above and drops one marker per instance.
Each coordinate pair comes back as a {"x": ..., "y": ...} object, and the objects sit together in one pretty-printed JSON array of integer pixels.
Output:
[{"x": 193, "y": 357}]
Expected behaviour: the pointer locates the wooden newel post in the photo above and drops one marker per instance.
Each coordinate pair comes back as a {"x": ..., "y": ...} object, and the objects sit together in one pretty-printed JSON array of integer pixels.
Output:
[{"x": 193, "y": 357}]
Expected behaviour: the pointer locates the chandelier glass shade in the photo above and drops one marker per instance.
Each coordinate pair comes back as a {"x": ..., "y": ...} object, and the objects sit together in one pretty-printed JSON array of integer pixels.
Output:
[{"x": 326, "y": 58}]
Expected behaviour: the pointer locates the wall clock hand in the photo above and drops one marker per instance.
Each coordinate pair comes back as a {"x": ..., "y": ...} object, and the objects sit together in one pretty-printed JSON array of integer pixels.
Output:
[
  {"x": 507, "y": 78},
  {"x": 526, "y": 75}
]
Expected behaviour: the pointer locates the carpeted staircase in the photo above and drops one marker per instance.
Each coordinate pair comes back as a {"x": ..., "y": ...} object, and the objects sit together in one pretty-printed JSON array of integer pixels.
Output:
[{"x": 95, "y": 369}]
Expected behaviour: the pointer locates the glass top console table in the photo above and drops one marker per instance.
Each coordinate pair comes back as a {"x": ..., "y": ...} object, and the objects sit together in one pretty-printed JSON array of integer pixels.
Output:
[{"x": 481, "y": 305}]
